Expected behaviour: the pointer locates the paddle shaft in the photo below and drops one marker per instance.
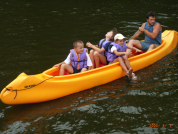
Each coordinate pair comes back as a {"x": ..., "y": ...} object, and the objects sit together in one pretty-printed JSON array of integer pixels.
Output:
[{"x": 133, "y": 35}]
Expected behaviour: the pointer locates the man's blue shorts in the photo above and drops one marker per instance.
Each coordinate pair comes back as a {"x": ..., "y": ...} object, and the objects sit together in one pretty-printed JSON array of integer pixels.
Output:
[{"x": 146, "y": 45}]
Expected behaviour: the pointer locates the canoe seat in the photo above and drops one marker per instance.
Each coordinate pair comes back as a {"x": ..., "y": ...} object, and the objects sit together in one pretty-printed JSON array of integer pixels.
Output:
[
  {"x": 101, "y": 65},
  {"x": 137, "y": 53},
  {"x": 66, "y": 72}
]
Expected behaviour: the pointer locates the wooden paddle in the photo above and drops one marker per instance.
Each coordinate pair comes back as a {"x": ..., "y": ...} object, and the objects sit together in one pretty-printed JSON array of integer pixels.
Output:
[{"x": 132, "y": 36}]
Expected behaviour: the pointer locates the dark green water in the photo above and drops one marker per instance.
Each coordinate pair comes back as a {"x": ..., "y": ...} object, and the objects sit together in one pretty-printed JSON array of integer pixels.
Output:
[{"x": 35, "y": 35}]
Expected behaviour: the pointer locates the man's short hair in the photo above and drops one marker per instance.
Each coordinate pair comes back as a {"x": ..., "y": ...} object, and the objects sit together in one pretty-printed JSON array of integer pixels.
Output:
[{"x": 152, "y": 14}]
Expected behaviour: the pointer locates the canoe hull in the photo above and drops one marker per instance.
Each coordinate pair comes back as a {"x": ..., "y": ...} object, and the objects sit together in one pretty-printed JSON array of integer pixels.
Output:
[{"x": 48, "y": 86}]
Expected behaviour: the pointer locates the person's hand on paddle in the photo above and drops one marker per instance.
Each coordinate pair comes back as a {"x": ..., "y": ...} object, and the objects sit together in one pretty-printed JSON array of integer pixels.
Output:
[{"x": 141, "y": 29}]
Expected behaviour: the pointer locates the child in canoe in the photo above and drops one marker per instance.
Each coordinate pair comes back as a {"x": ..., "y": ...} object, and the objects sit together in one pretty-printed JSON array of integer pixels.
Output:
[
  {"x": 99, "y": 52},
  {"x": 117, "y": 53},
  {"x": 78, "y": 57}
]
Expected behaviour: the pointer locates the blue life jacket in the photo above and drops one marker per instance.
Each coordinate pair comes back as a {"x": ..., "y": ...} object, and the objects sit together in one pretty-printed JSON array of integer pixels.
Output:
[
  {"x": 78, "y": 62},
  {"x": 102, "y": 43},
  {"x": 111, "y": 56},
  {"x": 157, "y": 40}
]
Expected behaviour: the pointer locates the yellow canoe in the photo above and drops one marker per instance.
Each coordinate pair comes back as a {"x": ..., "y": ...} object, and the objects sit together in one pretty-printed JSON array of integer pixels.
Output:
[{"x": 48, "y": 85}]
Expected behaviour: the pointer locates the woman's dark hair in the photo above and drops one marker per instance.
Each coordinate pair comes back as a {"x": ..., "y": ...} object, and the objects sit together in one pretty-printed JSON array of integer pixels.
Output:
[
  {"x": 153, "y": 14},
  {"x": 114, "y": 31}
]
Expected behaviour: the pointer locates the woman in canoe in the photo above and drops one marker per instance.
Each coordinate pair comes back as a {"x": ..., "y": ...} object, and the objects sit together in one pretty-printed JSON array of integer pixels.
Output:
[{"x": 99, "y": 52}]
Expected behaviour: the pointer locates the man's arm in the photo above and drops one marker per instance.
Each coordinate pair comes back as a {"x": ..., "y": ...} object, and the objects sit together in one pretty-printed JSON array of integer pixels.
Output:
[
  {"x": 156, "y": 30},
  {"x": 139, "y": 32}
]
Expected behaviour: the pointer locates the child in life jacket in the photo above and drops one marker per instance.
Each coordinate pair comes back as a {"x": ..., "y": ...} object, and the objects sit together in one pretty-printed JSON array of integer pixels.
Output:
[
  {"x": 99, "y": 52},
  {"x": 117, "y": 53},
  {"x": 78, "y": 57}
]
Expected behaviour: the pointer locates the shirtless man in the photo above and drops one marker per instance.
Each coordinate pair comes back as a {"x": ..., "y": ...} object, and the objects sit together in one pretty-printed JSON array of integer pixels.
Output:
[{"x": 152, "y": 30}]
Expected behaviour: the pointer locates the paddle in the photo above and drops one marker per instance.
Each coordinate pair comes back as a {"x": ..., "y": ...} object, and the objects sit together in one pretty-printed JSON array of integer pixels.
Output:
[{"x": 132, "y": 36}]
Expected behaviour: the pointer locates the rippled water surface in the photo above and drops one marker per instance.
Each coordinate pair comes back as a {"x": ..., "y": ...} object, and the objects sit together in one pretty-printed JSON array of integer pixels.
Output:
[{"x": 35, "y": 35}]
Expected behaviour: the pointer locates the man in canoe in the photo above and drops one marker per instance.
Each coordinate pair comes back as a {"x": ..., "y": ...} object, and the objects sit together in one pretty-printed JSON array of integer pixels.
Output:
[{"x": 152, "y": 30}]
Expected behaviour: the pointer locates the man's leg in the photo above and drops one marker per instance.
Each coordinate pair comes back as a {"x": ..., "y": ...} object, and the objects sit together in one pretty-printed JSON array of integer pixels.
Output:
[{"x": 151, "y": 47}]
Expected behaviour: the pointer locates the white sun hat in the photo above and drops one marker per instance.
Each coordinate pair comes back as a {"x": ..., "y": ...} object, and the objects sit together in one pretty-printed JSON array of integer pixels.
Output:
[{"x": 119, "y": 36}]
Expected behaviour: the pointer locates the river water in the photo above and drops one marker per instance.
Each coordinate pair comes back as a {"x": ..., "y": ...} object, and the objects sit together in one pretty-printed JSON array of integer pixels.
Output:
[{"x": 35, "y": 35}]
